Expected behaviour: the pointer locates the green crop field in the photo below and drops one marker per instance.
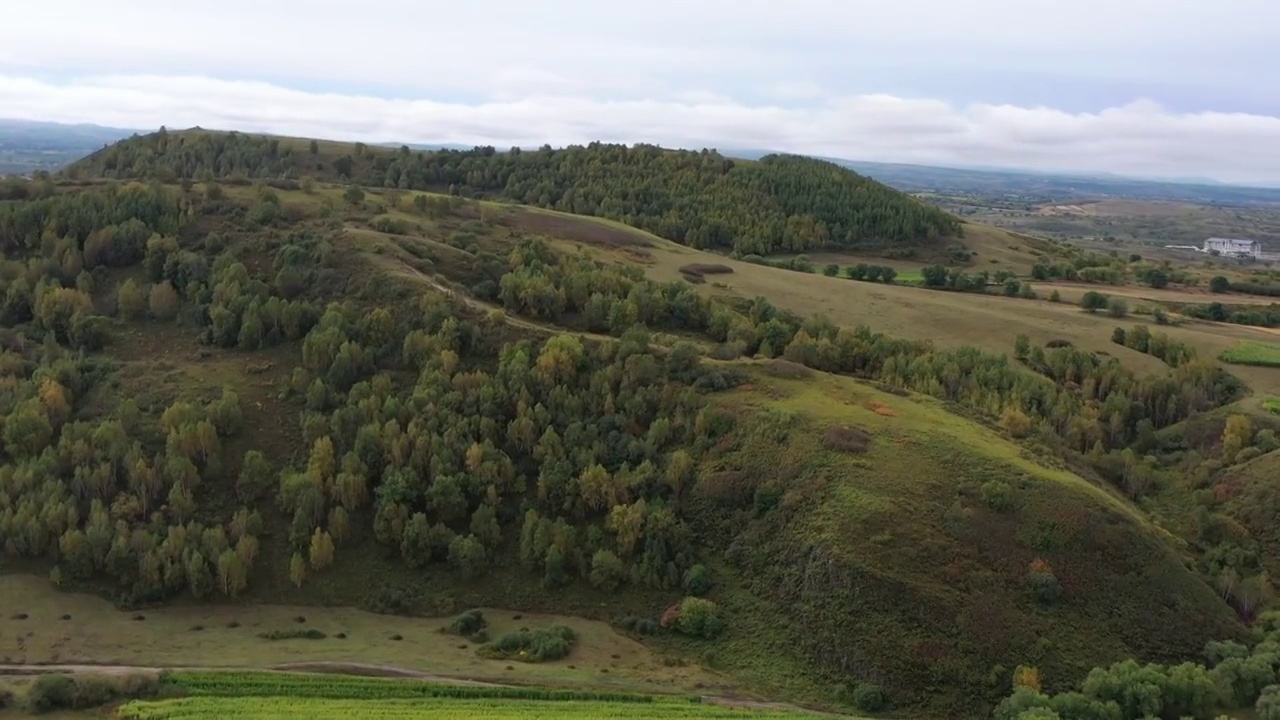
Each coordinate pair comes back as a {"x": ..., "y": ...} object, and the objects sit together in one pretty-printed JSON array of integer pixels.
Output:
[
  {"x": 253, "y": 708},
  {"x": 270, "y": 695},
  {"x": 1253, "y": 353}
]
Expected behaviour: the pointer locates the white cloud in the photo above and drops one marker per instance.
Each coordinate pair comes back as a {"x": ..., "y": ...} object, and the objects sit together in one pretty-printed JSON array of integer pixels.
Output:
[{"x": 1141, "y": 137}]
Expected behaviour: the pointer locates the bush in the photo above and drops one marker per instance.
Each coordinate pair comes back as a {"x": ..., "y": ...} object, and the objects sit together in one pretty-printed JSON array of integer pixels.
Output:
[
  {"x": 846, "y": 439},
  {"x": 699, "y": 618},
  {"x": 1117, "y": 307},
  {"x": 998, "y": 495},
  {"x": 308, "y": 634},
  {"x": 831, "y": 270},
  {"x": 51, "y": 692},
  {"x": 697, "y": 580},
  {"x": 540, "y": 645},
  {"x": 868, "y": 697},
  {"x": 639, "y": 626},
  {"x": 467, "y": 624},
  {"x": 1093, "y": 301}
]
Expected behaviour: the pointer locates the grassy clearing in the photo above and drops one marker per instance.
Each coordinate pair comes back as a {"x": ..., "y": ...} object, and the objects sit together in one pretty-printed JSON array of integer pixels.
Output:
[
  {"x": 1253, "y": 353},
  {"x": 98, "y": 633}
]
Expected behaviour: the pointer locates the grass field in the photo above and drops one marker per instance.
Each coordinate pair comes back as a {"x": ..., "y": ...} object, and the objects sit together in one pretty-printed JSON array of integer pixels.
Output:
[
  {"x": 227, "y": 636},
  {"x": 1253, "y": 353}
]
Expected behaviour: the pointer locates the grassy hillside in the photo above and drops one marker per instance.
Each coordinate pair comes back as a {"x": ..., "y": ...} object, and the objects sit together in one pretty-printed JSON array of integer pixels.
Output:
[
  {"x": 456, "y": 407},
  {"x": 700, "y": 199}
]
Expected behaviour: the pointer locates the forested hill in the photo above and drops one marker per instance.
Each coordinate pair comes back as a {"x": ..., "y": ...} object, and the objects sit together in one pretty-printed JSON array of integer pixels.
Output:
[{"x": 776, "y": 204}]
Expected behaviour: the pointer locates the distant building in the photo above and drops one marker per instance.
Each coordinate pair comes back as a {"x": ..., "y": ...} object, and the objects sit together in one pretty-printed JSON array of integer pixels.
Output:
[{"x": 1233, "y": 248}]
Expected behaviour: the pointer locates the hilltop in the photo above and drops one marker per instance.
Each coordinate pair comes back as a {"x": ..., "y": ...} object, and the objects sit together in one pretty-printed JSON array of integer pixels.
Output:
[
  {"x": 702, "y": 199},
  {"x": 301, "y": 393}
]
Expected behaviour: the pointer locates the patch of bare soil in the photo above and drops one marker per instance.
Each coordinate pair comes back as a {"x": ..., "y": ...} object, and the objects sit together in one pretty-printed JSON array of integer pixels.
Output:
[{"x": 567, "y": 228}]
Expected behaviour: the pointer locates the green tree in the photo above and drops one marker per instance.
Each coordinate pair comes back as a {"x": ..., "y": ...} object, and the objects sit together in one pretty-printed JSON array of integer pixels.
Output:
[
  {"x": 1093, "y": 301},
  {"x": 607, "y": 571},
  {"x": 164, "y": 301}
]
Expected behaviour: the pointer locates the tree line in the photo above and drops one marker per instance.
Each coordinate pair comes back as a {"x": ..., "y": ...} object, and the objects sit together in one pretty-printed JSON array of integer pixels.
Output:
[{"x": 699, "y": 198}]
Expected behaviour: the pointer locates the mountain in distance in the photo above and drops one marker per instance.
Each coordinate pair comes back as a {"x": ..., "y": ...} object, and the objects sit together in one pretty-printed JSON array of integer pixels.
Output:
[
  {"x": 28, "y": 146},
  {"x": 1049, "y": 186}
]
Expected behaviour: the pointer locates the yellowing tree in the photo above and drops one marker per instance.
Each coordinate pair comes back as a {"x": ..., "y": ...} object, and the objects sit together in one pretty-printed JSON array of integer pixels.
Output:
[
  {"x": 1028, "y": 677},
  {"x": 321, "y": 550},
  {"x": 131, "y": 300},
  {"x": 164, "y": 301},
  {"x": 1235, "y": 436},
  {"x": 297, "y": 569}
]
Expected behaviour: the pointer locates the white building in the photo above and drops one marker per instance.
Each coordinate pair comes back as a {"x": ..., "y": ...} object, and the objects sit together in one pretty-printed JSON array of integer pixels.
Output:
[{"x": 1233, "y": 247}]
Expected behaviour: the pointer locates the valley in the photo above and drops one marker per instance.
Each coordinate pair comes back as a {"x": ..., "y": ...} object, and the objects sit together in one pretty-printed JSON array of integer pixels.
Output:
[{"x": 265, "y": 392}]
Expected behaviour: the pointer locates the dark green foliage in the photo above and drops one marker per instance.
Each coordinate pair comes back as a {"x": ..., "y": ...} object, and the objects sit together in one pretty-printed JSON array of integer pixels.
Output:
[
  {"x": 1219, "y": 284},
  {"x": 703, "y": 199},
  {"x": 538, "y": 645},
  {"x": 1094, "y": 301},
  {"x": 697, "y": 581},
  {"x": 468, "y": 623},
  {"x": 299, "y": 634},
  {"x": 53, "y": 692},
  {"x": 998, "y": 495},
  {"x": 869, "y": 697}
]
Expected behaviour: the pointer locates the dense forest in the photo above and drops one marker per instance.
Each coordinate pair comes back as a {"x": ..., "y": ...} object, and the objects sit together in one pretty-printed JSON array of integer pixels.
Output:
[
  {"x": 703, "y": 199},
  {"x": 450, "y": 439}
]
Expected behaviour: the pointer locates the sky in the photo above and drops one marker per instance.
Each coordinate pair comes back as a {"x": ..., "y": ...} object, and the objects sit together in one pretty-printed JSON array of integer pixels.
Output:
[{"x": 1137, "y": 87}]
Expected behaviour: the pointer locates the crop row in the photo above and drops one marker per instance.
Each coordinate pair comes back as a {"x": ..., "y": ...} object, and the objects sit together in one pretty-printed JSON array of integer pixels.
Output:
[
  {"x": 338, "y": 687},
  {"x": 255, "y": 708}
]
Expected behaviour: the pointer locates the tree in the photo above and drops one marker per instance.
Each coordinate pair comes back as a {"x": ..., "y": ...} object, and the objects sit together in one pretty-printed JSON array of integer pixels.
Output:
[
  {"x": 164, "y": 301},
  {"x": 1093, "y": 301},
  {"x": 255, "y": 477},
  {"x": 1268, "y": 705},
  {"x": 1219, "y": 284},
  {"x": 232, "y": 573},
  {"x": 1236, "y": 434},
  {"x": 607, "y": 571},
  {"x": 297, "y": 569},
  {"x": 697, "y": 580},
  {"x": 131, "y": 300},
  {"x": 353, "y": 195},
  {"x": 1117, "y": 307},
  {"x": 321, "y": 550},
  {"x": 831, "y": 270}
]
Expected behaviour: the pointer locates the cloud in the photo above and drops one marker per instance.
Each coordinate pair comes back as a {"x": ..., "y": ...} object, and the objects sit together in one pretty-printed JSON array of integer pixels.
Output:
[{"x": 1138, "y": 138}]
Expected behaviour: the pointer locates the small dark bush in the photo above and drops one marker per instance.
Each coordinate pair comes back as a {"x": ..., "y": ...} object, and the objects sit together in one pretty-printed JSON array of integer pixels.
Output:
[
  {"x": 787, "y": 369},
  {"x": 51, "y": 692},
  {"x": 616, "y": 656},
  {"x": 868, "y": 697},
  {"x": 6, "y": 698},
  {"x": 540, "y": 645},
  {"x": 517, "y": 616},
  {"x": 638, "y": 626},
  {"x": 139, "y": 618},
  {"x": 481, "y": 636},
  {"x": 20, "y": 616},
  {"x": 468, "y": 623},
  {"x": 299, "y": 619},
  {"x": 233, "y": 624},
  {"x": 846, "y": 439},
  {"x": 697, "y": 580},
  {"x": 341, "y": 636},
  {"x": 308, "y": 634},
  {"x": 197, "y": 628},
  {"x": 1058, "y": 343},
  {"x": 706, "y": 269},
  {"x": 66, "y": 617},
  {"x": 462, "y": 646},
  {"x": 397, "y": 637}
]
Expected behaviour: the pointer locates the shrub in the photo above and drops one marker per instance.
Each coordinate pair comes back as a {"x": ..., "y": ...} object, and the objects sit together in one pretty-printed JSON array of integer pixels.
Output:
[
  {"x": 1247, "y": 454},
  {"x": 869, "y": 697},
  {"x": 1219, "y": 284},
  {"x": 638, "y": 626},
  {"x": 831, "y": 270},
  {"x": 697, "y": 580},
  {"x": 1093, "y": 301},
  {"x": 540, "y": 645},
  {"x": 1055, "y": 296},
  {"x": 846, "y": 439},
  {"x": 6, "y": 698},
  {"x": 1042, "y": 581},
  {"x": 51, "y": 692},
  {"x": 467, "y": 624},
  {"x": 998, "y": 495},
  {"x": 699, "y": 618},
  {"x": 308, "y": 634},
  {"x": 1117, "y": 307}
]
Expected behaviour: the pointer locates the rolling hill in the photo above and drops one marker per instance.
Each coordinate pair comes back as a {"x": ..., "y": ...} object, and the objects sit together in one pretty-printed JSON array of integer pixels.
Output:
[
  {"x": 298, "y": 393},
  {"x": 703, "y": 199}
]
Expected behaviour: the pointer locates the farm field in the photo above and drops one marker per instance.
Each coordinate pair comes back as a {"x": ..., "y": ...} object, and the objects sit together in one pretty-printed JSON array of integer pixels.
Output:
[
  {"x": 1253, "y": 353},
  {"x": 212, "y": 695}
]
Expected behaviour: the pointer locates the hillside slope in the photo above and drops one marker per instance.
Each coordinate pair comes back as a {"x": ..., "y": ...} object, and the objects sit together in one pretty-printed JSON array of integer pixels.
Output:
[
  {"x": 276, "y": 401},
  {"x": 703, "y": 199}
]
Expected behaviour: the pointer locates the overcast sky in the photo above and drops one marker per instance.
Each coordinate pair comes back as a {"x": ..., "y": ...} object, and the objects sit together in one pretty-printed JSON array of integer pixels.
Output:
[{"x": 1145, "y": 87}]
